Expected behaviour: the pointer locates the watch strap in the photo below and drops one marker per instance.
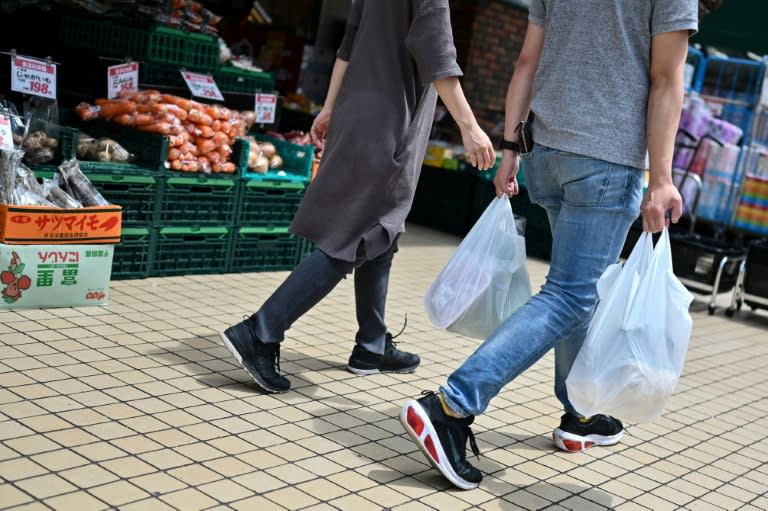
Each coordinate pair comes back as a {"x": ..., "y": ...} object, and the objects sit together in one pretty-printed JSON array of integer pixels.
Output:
[{"x": 508, "y": 144}]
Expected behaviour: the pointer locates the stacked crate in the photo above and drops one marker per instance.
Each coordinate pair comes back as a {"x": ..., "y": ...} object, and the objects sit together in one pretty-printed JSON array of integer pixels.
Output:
[
  {"x": 162, "y": 52},
  {"x": 136, "y": 187},
  {"x": 267, "y": 204},
  {"x": 178, "y": 223}
]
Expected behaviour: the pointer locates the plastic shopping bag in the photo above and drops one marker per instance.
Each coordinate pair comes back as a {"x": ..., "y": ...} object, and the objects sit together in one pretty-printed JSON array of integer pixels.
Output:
[
  {"x": 635, "y": 348},
  {"x": 485, "y": 280}
]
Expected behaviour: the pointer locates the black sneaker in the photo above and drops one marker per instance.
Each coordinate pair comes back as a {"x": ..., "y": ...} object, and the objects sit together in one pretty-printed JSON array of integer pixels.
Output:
[
  {"x": 442, "y": 439},
  {"x": 393, "y": 360},
  {"x": 573, "y": 435},
  {"x": 260, "y": 360}
]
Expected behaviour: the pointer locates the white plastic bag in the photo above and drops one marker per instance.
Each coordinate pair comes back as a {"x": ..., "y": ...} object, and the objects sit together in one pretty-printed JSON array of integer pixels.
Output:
[
  {"x": 635, "y": 348},
  {"x": 485, "y": 280}
]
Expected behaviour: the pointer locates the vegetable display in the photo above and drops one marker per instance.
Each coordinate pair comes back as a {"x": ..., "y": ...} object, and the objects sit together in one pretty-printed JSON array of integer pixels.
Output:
[{"x": 200, "y": 135}]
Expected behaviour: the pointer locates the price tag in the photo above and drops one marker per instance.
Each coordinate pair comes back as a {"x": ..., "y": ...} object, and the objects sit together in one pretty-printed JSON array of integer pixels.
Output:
[
  {"x": 266, "y": 106},
  {"x": 202, "y": 85},
  {"x": 32, "y": 76},
  {"x": 6, "y": 134},
  {"x": 122, "y": 77}
]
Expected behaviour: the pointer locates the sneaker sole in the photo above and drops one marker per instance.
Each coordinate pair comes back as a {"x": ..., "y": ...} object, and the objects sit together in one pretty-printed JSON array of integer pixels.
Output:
[
  {"x": 416, "y": 423},
  {"x": 367, "y": 372},
  {"x": 575, "y": 443},
  {"x": 255, "y": 377}
]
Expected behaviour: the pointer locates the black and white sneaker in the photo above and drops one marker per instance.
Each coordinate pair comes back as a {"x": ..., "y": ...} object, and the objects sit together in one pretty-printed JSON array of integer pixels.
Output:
[
  {"x": 576, "y": 435},
  {"x": 442, "y": 439},
  {"x": 393, "y": 360},
  {"x": 259, "y": 359}
]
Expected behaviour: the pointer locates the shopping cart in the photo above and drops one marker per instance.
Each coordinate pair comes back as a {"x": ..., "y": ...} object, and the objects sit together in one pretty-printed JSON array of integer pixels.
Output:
[{"x": 752, "y": 283}]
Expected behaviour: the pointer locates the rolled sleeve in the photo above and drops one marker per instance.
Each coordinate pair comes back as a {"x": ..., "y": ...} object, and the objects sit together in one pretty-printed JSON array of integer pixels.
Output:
[
  {"x": 430, "y": 42},
  {"x": 673, "y": 15},
  {"x": 536, "y": 12},
  {"x": 350, "y": 32}
]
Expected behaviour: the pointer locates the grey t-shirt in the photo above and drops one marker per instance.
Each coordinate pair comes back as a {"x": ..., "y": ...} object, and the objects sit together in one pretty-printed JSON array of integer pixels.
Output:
[{"x": 590, "y": 93}]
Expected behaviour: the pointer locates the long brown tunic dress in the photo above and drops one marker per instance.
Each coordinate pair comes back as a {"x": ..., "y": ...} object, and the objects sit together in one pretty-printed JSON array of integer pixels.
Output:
[{"x": 379, "y": 128}]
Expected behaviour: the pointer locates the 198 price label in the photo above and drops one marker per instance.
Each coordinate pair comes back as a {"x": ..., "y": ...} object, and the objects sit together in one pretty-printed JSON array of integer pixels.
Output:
[
  {"x": 32, "y": 76},
  {"x": 202, "y": 85}
]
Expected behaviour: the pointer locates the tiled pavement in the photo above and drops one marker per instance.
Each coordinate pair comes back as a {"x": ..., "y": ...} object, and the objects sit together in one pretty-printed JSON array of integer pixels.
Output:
[{"x": 137, "y": 406}]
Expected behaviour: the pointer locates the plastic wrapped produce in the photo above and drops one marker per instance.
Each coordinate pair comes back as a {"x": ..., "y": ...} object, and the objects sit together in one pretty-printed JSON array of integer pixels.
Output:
[
  {"x": 59, "y": 197},
  {"x": 80, "y": 185},
  {"x": 9, "y": 159}
]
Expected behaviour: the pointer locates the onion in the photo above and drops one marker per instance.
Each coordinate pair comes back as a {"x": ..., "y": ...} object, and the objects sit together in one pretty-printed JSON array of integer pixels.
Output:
[
  {"x": 276, "y": 162},
  {"x": 262, "y": 164},
  {"x": 268, "y": 149}
]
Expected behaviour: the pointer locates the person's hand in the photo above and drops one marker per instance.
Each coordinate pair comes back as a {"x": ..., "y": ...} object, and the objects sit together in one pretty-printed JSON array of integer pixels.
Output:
[
  {"x": 320, "y": 126},
  {"x": 505, "y": 180},
  {"x": 660, "y": 198},
  {"x": 478, "y": 147}
]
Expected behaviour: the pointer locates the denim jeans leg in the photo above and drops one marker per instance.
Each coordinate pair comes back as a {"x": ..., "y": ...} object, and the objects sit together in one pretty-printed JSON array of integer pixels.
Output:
[
  {"x": 371, "y": 286},
  {"x": 312, "y": 280},
  {"x": 592, "y": 204}
]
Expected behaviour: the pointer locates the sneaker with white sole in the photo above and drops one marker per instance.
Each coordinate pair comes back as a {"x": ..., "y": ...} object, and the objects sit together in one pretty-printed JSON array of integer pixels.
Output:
[
  {"x": 576, "y": 435},
  {"x": 442, "y": 439},
  {"x": 260, "y": 360},
  {"x": 393, "y": 360}
]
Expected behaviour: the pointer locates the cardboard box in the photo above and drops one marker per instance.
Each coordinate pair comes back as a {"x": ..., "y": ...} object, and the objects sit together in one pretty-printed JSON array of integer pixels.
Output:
[
  {"x": 38, "y": 276},
  {"x": 25, "y": 225}
]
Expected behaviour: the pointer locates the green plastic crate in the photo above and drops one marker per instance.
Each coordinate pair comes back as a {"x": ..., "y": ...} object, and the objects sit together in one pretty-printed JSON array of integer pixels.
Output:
[
  {"x": 265, "y": 249},
  {"x": 443, "y": 200},
  {"x": 153, "y": 75},
  {"x": 133, "y": 254},
  {"x": 297, "y": 161},
  {"x": 104, "y": 36},
  {"x": 187, "y": 250},
  {"x": 198, "y": 200},
  {"x": 268, "y": 203},
  {"x": 150, "y": 150},
  {"x": 137, "y": 195},
  {"x": 178, "y": 47},
  {"x": 154, "y": 44},
  {"x": 234, "y": 79}
]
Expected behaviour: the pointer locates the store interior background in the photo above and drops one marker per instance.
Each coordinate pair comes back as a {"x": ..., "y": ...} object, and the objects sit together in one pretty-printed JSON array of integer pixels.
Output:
[{"x": 298, "y": 45}]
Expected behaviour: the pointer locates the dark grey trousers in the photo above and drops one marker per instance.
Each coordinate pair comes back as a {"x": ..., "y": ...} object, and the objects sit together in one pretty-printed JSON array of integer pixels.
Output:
[{"x": 313, "y": 279}]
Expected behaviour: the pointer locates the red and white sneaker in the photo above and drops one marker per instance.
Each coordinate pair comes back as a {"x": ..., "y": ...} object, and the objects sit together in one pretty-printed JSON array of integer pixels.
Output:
[
  {"x": 442, "y": 439},
  {"x": 576, "y": 435}
]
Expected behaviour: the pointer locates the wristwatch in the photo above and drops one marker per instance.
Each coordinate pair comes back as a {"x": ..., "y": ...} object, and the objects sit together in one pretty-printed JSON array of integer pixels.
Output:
[{"x": 508, "y": 144}]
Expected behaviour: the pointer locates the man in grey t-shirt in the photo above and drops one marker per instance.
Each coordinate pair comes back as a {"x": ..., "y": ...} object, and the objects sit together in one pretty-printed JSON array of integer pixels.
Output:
[{"x": 604, "y": 79}]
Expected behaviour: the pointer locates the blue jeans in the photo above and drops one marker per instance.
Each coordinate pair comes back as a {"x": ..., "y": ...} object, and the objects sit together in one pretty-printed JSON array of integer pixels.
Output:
[{"x": 590, "y": 205}]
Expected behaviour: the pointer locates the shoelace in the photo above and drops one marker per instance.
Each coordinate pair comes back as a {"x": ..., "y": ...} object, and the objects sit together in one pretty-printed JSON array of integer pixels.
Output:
[
  {"x": 472, "y": 442},
  {"x": 390, "y": 339},
  {"x": 276, "y": 360},
  {"x": 466, "y": 429}
]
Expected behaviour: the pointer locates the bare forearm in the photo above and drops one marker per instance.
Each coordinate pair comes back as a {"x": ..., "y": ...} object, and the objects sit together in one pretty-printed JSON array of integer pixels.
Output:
[
  {"x": 337, "y": 75},
  {"x": 664, "y": 104},
  {"x": 450, "y": 92},
  {"x": 518, "y": 101}
]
